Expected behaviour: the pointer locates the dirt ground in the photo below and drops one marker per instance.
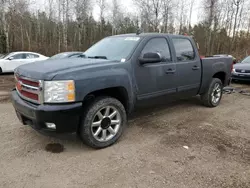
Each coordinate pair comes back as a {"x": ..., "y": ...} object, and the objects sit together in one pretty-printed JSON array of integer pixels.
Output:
[
  {"x": 6, "y": 85},
  {"x": 182, "y": 144}
]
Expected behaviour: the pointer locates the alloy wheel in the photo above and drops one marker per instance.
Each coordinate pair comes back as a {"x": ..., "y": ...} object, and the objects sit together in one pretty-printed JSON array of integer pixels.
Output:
[{"x": 106, "y": 124}]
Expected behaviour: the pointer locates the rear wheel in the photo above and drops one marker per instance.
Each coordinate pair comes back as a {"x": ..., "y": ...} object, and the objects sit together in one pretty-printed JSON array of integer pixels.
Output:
[
  {"x": 1, "y": 71},
  {"x": 103, "y": 122},
  {"x": 213, "y": 95}
]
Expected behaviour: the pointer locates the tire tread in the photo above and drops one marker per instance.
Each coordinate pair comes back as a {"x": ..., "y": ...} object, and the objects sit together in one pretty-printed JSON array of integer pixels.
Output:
[{"x": 206, "y": 97}]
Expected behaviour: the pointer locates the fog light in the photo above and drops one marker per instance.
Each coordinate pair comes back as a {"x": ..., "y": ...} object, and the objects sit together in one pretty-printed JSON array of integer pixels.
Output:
[{"x": 50, "y": 125}]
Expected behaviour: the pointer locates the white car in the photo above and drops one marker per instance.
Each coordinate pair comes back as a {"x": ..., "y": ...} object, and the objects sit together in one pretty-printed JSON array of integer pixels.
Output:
[{"x": 10, "y": 61}]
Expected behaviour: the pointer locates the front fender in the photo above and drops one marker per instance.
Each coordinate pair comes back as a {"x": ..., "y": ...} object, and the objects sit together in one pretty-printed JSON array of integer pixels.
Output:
[
  {"x": 90, "y": 81},
  {"x": 103, "y": 79}
]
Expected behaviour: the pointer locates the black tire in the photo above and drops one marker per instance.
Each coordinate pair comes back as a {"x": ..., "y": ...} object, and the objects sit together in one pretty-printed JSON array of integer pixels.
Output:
[
  {"x": 206, "y": 98},
  {"x": 90, "y": 112},
  {"x": 1, "y": 71}
]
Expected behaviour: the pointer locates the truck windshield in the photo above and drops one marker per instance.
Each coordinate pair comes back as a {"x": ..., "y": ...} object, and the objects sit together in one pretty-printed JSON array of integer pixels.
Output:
[
  {"x": 113, "y": 48},
  {"x": 246, "y": 60}
]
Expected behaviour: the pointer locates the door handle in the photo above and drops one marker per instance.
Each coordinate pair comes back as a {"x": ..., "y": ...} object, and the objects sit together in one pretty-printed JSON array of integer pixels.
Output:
[
  {"x": 195, "y": 67},
  {"x": 170, "y": 71}
]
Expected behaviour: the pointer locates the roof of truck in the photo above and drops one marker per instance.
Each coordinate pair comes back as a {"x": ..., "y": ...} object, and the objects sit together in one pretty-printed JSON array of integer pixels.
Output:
[{"x": 146, "y": 35}]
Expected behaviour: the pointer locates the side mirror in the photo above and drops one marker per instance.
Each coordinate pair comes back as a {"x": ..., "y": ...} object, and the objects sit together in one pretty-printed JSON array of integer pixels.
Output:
[
  {"x": 150, "y": 57},
  {"x": 10, "y": 58}
]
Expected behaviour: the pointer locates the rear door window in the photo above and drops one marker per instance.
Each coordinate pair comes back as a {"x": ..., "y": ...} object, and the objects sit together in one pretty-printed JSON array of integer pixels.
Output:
[{"x": 184, "y": 49}]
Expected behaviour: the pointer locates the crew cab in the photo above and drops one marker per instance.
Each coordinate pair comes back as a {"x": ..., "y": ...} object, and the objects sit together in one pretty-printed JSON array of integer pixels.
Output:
[{"x": 93, "y": 96}]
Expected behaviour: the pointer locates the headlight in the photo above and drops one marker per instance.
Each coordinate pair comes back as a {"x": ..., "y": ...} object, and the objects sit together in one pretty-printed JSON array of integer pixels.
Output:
[
  {"x": 59, "y": 91},
  {"x": 233, "y": 70}
]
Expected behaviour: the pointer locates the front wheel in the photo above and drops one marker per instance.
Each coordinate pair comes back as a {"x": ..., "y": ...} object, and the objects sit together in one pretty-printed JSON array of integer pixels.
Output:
[
  {"x": 103, "y": 122},
  {"x": 213, "y": 95}
]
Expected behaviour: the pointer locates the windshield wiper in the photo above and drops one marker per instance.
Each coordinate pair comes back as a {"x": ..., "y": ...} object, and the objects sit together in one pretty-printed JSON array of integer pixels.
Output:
[{"x": 97, "y": 57}]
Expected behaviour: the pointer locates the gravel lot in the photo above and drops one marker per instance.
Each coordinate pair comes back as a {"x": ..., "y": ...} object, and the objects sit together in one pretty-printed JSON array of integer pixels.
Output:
[{"x": 150, "y": 154}]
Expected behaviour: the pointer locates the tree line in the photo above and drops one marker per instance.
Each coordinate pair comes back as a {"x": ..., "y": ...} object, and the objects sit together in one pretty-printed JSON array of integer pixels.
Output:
[{"x": 223, "y": 26}]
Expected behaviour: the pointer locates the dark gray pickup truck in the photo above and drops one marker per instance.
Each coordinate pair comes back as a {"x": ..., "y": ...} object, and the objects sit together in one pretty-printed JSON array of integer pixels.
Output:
[{"x": 93, "y": 95}]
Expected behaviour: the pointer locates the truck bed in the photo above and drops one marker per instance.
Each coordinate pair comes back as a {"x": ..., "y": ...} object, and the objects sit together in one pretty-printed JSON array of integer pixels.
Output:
[{"x": 219, "y": 65}]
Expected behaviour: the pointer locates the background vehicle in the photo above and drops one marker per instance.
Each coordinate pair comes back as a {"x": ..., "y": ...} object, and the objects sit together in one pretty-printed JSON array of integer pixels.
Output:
[
  {"x": 93, "y": 95},
  {"x": 241, "y": 71},
  {"x": 67, "y": 55},
  {"x": 11, "y": 61}
]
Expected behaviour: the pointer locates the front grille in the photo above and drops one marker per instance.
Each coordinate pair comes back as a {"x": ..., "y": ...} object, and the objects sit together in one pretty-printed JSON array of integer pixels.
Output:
[
  {"x": 242, "y": 71},
  {"x": 28, "y": 89}
]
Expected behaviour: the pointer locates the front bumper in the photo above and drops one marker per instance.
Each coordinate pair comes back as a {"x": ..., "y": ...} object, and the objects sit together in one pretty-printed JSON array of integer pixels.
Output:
[
  {"x": 240, "y": 76},
  {"x": 66, "y": 117}
]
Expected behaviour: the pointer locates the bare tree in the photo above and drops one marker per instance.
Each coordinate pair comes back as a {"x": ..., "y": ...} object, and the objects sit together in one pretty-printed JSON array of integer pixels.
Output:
[
  {"x": 151, "y": 13},
  {"x": 157, "y": 11},
  {"x": 237, "y": 4},
  {"x": 167, "y": 8},
  {"x": 82, "y": 8},
  {"x": 50, "y": 4},
  {"x": 3, "y": 19},
  {"x": 102, "y": 6},
  {"x": 69, "y": 25},
  {"x": 145, "y": 13},
  {"x": 211, "y": 22},
  {"x": 115, "y": 14},
  {"x": 65, "y": 20},
  {"x": 181, "y": 16},
  {"x": 190, "y": 13}
]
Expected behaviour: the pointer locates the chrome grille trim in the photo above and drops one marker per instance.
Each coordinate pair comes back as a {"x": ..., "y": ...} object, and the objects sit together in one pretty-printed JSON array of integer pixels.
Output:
[
  {"x": 26, "y": 98},
  {"x": 31, "y": 89}
]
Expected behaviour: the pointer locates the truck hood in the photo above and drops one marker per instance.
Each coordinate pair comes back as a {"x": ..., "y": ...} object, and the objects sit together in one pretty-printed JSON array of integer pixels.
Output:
[
  {"x": 48, "y": 69},
  {"x": 244, "y": 66}
]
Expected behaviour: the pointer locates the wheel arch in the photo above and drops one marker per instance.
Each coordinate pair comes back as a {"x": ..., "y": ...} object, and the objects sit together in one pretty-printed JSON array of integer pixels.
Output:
[
  {"x": 120, "y": 93},
  {"x": 220, "y": 75}
]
